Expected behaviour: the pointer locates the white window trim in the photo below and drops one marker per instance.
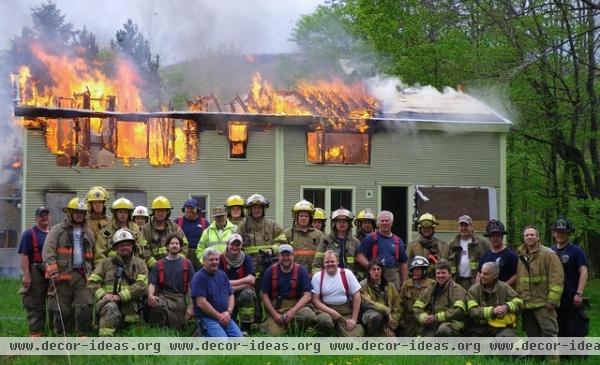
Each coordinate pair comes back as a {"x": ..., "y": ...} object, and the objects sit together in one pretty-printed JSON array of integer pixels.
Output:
[{"x": 328, "y": 189}]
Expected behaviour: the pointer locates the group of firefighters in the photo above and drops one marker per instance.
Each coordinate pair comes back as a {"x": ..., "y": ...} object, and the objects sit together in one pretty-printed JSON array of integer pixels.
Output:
[{"x": 243, "y": 268}]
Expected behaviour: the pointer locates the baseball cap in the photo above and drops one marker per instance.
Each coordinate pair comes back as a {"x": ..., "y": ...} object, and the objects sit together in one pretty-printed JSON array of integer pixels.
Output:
[
  {"x": 41, "y": 210},
  {"x": 218, "y": 211},
  {"x": 235, "y": 237},
  {"x": 286, "y": 248},
  {"x": 465, "y": 219}
]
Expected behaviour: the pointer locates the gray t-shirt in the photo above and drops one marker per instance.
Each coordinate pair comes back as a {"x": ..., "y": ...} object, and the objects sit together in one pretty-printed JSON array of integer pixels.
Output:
[{"x": 77, "y": 248}]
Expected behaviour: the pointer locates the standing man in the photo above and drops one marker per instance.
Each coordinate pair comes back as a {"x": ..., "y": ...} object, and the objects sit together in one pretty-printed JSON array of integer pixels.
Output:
[
  {"x": 540, "y": 284},
  {"x": 155, "y": 233},
  {"x": 141, "y": 216},
  {"x": 336, "y": 297},
  {"x": 217, "y": 234},
  {"x": 441, "y": 308},
  {"x": 192, "y": 225},
  {"x": 213, "y": 299},
  {"x": 319, "y": 220},
  {"x": 235, "y": 209},
  {"x": 169, "y": 298},
  {"x": 465, "y": 251},
  {"x": 118, "y": 283},
  {"x": 493, "y": 305},
  {"x": 34, "y": 285},
  {"x": 302, "y": 236},
  {"x": 240, "y": 272},
  {"x": 428, "y": 245},
  {"x": 409, "y": 293},
  {"x": 387, "y": 248},
  {"x": 381, "y": 303},
  {"x": 285, "y": 293},
  {"x": 572, "y": 320},
  {"x": 260, "y": 233},
  {"x": 365, "y": 223},
  {"x": 498, "y": 252},
  {"x": 68, "y": 255},
  {"x": 96, "y": 199},
  {"x": 339, "y": 240}
]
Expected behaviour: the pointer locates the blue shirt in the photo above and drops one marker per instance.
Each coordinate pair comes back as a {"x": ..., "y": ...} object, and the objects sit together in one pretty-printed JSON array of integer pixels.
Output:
[
  {"x": 232, "y": 273},
  {"x": 572, "y": 258},
  {"x": 507, "y": 260},
  {"x": 193, "y": 230},
  {"x": 214, "y": 287},
  {"x": 386, "y": 250},
  {"x": 26, "y": 244},
  {"x": 303, "y": 284}
]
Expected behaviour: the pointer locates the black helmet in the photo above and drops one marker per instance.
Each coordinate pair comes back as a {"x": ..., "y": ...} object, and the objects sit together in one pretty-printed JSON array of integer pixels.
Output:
[
  {"x": 494, "y": 226},
  {"x": 563, "y": 224}
]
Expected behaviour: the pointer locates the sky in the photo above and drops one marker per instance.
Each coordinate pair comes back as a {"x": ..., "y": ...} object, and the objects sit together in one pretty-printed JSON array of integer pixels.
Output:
[{"x": 177, "y": 29}]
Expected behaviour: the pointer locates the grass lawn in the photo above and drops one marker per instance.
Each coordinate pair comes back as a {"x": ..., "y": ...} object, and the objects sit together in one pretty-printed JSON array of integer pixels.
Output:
[{"x": 12, "y": 323}]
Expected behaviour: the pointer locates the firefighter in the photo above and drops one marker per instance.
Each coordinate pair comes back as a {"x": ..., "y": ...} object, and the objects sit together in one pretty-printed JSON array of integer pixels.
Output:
[
  {"x": 118, "y": 283},
  {"x": 217, "y": 233},
  {"x": 193, "y": 225},
  {"x": 260, "y": 233},
  {"x": 169, "y": 301},
  {"x": 428, "y": 245},
  {"x": 381, "y": 304},
  {"x": 465, "y": 251},
  {"x": 140, "y": 216},
  {"x": 34, "y": 285},
  {"x": 96, "y": 199},
  {"x": 540, "y": 284},
  {"x": 319, "y": 220},
  {"x": 235, "y": 209},
  {"x": 441, "y": 308},
  {"x": 285, "y": 293},
  {"x": 572, "y": 320},
  {"x": 156, "y": 231},
  {"x": 493, "y": 305},
  {"x": 365, "y": 223},
  {"x": 498, "y": 252},
  {"x": 339, "y": 240},
  {"x": 409, "y": 293},
  {"x": 121, "y": 210},
  {"x": 240, "y": 271},
  {"x": 386, "y": 247},
  {"x": 68, "y": 255},
  {"x": 302, "y": 236}
]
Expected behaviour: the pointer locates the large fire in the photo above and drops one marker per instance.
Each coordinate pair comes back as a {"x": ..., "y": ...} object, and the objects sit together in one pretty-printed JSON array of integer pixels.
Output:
[{"x": 339, "y": 134}]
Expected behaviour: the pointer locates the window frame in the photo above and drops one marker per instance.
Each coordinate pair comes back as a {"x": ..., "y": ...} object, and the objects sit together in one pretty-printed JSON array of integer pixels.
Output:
[{"x": 328, "y": 189}]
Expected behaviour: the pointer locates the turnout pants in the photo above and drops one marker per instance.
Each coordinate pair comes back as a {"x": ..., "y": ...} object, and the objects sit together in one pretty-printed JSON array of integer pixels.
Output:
[
  {"x": 305, "y": 318},
  {"x": 34, "y": 301},
  {"x": 326, "y": 324},
  {"x": 71, "y": 305},
  {"x": 170, "y": 311}
]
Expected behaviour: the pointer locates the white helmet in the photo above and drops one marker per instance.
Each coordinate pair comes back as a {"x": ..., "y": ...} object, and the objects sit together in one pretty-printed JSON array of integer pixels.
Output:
[
  {"x": 122, "y": 235},
  {"x": 141, "y": 211}
]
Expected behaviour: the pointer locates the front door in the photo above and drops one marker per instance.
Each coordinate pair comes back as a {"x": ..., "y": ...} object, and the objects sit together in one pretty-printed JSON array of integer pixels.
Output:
[{"x": 394, "y": 199}]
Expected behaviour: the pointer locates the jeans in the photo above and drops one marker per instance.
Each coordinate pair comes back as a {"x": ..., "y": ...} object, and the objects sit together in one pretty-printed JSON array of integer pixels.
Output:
[{"x": 210, "y": 327}]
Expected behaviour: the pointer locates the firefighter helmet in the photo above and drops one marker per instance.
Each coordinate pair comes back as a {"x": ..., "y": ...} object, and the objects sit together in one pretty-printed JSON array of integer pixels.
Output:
[
  {"x": 160, "y": 202},
  {"x": 427, "y": 220},
  {"x": 563, "y": 224},
  {"x": 97, "y": 193},
  {"x": 233, "y": 201},
  {"x": 122, "y": 203},
  {"x": 255, "y": 199},
  {"x": 494, "y": 226},
  {"x": 75, "y": 204},
  {"x": 123, "y": 235},
  {"x": 140, "y": 211},
  {"x": 342, "y": 214},
  {"x": 419, "y": 261},
  {"x": 320, "y": 214},
  {"x": 508, "y": 320},
  {"x": 303, "y": 206},
  {"x": 365, "y": 214}
]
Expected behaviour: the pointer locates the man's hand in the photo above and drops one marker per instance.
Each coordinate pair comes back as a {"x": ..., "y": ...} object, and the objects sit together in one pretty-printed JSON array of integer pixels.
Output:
[
  {"x": 224, "y": 318},
  {"x": 500, "y": 310},
  {"x": 350, "y": 324},
  {"x": 26, "y": 281},
  {"x": 430, "y": 320},
  {"x": 577, "y": 300},
  {"x": 551, "y": 307},
  {"x": 152, "y": 301},
  {"x": 189, "y": 313}
]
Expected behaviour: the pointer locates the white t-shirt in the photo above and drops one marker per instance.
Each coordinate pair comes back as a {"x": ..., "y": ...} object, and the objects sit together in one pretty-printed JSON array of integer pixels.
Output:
[
  {"x": 464, "y": 269},
  {"x": 77, "y": 248},
  {"x": 333, "y": 287}
]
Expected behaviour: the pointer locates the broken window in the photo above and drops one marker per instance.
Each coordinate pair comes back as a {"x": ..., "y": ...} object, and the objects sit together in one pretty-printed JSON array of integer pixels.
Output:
[
  {"x": 238, "y": 139},
  {"x": 338, "y": 148}
]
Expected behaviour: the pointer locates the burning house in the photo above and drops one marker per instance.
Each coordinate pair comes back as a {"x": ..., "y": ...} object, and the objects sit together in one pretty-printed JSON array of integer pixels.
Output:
[{"x": 332, "y": 143}]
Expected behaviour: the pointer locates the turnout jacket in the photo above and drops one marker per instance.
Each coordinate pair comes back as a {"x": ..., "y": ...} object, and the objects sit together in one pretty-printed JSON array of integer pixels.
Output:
[
  {"x": 477, "y": 248},
  {"x": 331, "y": 242},
  {"x": 304, "y": 244},
  {"x": 104, "y": 245},
  {"x": 57, "y": 252},
  {"x": 96, "y": 224},
  {"x": 428, "y": 247},
  {"x": 448, "y": 306},
  {"x": 539, "y": 276},
  {"x": 261, "y": 234},
  {"x": 154, "y": 241},
  {"x": 386, "y": 301},
  {"x": 481, "y": 302}
]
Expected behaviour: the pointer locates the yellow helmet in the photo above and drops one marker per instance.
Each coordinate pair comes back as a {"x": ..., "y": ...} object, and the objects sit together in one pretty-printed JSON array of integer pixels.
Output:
[
  {"x": 122, "y": 203},
  {"x": 303, "y": 206},
  {"x": 508, "y": 320},
  {"x": 160, "y": 202},
  {"x": 97, "y": 193},
  {"x": 233, "y": 201},
  {"x": 75, "y": 204},
  {"x": 427, "y": 220},
  {"x": 320, "y": 214},
  {"x": 364, "y": 215}
]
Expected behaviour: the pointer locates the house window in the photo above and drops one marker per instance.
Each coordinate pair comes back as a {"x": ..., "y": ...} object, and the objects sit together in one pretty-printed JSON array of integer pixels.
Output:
[
  {"x": 137, "y": 197},
  {"x": 202, "y": 203},
  {"x": 238, "y": 139},
  {"x": 8, "y": 238},
  {"x": 56, "y": 201},
  {"x": 330, "y": 198},
  {"x": 338, "y": 148}
]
